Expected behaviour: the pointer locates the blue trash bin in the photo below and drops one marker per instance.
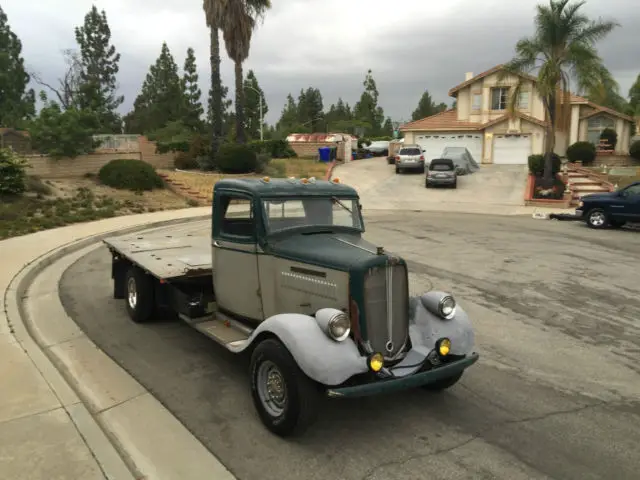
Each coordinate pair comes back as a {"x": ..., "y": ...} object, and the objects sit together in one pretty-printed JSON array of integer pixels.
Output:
[{"x": 325, "y": 154}]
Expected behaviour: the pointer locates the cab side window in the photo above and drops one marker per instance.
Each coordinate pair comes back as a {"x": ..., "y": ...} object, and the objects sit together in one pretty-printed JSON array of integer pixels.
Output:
[
  {"x": 632, "y": 191},
  {"x": 238, "y": 219}
]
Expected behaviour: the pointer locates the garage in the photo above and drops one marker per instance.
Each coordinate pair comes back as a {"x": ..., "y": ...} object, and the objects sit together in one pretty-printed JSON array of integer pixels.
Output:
[
  {"x": 435, "y": 143},
  {"x": 511, "y": 149}
]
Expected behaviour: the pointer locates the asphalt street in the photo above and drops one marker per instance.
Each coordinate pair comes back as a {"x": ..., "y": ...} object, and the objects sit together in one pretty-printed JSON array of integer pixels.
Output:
[{"x": 555, "y": 394}]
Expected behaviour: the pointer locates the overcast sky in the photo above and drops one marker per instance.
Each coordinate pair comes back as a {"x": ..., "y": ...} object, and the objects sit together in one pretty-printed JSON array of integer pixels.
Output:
[{"x": 411, "y": 45}]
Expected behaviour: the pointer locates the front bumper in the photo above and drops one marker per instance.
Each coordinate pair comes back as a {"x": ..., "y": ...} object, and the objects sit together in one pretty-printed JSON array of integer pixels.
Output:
[{"x": 403, "y": 383}]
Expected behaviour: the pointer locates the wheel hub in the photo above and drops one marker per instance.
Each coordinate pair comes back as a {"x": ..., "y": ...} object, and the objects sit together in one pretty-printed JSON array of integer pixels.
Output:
[
  {"x": 132, "y": 293},
  {"x": 272, "y": 389},
  {"x": 597, "y": 219}
]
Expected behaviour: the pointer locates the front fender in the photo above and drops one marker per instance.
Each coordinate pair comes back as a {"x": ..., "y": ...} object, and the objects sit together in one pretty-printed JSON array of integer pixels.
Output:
[
  {"x": 425, "y": 328},
  {"x": 322, "y": 359}
]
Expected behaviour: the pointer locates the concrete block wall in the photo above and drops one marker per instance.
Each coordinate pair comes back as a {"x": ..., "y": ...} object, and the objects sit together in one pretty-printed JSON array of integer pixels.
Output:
[{"x": 46, "y": 167}]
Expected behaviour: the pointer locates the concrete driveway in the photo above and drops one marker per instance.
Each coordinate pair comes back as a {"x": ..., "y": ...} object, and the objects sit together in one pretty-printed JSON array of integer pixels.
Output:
[
  {"x": 492, "y": 189},
  {"x": 555, "y": 393}
]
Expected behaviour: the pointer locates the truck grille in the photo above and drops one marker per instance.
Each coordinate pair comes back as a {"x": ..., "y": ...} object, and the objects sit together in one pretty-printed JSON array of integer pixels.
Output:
[{"x": 386, "y": 308}]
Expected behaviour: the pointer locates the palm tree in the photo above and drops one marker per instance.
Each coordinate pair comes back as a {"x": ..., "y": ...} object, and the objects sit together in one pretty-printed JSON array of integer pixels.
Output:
[
  {"x": 561, "y": 49},
  {"x": 213, "y": 10},
  {"x": 238, "y": 22}
]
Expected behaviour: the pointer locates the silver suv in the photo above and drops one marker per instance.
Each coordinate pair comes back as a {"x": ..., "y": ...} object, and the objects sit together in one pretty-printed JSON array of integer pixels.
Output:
[{"x": 410, "y": 157}]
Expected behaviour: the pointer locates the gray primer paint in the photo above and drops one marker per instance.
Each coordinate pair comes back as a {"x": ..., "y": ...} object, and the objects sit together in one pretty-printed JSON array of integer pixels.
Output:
[{"x": 331, "y": 363}]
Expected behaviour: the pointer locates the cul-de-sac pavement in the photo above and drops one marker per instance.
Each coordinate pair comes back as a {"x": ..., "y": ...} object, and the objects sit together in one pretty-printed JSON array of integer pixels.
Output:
[{"x": 555, "y": 307}]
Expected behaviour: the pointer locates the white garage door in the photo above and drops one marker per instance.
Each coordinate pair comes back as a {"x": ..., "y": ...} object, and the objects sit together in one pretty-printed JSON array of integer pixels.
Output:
[
  {"x": 511, "y": 149},
  {"x": 434, "y": 144}
]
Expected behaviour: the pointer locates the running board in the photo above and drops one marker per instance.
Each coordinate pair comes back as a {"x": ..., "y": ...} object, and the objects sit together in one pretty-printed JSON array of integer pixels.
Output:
[{"x": 226, "y": 331}]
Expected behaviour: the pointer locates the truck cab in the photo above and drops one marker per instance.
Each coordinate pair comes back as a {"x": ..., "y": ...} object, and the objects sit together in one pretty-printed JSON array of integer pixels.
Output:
[{"x": 293, "y": 283}]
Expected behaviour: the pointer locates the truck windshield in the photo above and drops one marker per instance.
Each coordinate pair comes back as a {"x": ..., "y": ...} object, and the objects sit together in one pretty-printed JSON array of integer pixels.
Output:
[{"x": 285, "y": 214}]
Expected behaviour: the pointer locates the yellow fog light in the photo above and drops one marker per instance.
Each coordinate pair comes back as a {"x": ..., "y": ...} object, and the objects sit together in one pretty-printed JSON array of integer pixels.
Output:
[
  {"x": 444, "y": 347},
  {"x": 376, "y": 362}
]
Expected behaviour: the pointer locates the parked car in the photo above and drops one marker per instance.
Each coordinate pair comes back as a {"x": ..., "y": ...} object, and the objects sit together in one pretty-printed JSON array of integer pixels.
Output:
[
  {"x": 379, "y": 148},
  {"x": 611, "y": 209},
  {"x": 462, "y": 158},
  {"x": 441, "y": 171},
  {"x": 410, "y": 157}
]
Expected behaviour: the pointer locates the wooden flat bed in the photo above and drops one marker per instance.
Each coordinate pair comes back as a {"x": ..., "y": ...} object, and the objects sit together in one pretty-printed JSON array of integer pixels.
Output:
[{"x": 168, "y": 253}]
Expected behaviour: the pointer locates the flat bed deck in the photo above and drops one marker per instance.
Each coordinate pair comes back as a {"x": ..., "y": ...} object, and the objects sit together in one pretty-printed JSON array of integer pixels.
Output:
[{"x": 168, "y": 253}]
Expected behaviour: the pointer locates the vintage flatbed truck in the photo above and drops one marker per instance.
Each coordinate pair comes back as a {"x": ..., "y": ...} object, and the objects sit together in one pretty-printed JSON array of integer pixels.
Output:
[{"x": 283, "y": 273}]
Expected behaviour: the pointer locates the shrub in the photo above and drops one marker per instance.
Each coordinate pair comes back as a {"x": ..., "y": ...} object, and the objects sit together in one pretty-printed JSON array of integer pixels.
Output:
[
  {"x": 273, "y": 148},
  {"x": 536, "y": 164},
  {"x": 12, "y": 173},
  {"x": 610, "y": 136},
  {"x": 584, "y": 152},
  {"x": 236, "y": 158},
  {"x": 634, "y": 150},
  {"x": 276, "y": 168},
  {"x": 198, "y": 147},
  {"x": 134, "y": 175},
  {"x": 263, "y": 162}
]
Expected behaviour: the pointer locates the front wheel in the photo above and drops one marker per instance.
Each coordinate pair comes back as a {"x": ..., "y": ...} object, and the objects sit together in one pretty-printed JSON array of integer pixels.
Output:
[
  {"x": 597, "y": 218},
  {"x": 286, "y": 399},
  {"x": 443, "y": 384}
]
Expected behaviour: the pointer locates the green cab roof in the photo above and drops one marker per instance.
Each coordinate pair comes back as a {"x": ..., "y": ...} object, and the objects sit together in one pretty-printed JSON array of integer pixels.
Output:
[{"x": 283, "y": 187}]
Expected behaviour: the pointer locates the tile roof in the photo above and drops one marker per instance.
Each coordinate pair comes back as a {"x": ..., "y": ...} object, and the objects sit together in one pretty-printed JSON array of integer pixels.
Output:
[
  {"x": 447, "y": 120},
  {"x": 495, "y": 69}
]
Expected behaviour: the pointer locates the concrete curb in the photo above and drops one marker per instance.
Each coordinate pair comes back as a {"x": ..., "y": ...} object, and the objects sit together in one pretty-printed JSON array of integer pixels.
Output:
[{"x": 189, "y": 460}]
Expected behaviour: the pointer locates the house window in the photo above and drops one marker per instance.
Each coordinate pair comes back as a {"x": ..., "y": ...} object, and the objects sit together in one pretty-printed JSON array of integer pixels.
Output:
[
  {"x": 499, "y": 98},
  {"x": 477, "y": 101},
  {"x": 595, "y": 126},
  {"x": 523, "y": 100}
]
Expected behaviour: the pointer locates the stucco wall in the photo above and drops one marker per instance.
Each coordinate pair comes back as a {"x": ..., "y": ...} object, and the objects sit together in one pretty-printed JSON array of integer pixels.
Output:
[
  {"x": 484, "y": 86},
  {"x": 310, "y": 149}
]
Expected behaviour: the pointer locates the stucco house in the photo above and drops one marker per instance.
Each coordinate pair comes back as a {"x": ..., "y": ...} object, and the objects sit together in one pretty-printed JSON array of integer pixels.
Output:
[{"x": 481, "y": 122}]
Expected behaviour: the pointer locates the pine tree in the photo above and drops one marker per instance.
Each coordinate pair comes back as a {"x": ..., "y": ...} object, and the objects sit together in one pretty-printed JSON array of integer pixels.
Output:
[
  {"x": 162, "y": 98},
  {"x": 227, "y": 115},
  {"x": 427, "y": 107},
  {"x": 17, "y": 103},
  {"x": 193, "y": 94},
  {"x": 367, "y": 111},
  {"x": 98, "y": 84},
  {"x": 289, "y": 115},
  {"x": 311, "y": 110},
  {"x": 253, "y": 95}
]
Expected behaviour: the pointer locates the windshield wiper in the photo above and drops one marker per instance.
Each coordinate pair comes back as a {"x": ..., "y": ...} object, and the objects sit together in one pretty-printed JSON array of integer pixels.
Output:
[{"x": 341, "y": 204}]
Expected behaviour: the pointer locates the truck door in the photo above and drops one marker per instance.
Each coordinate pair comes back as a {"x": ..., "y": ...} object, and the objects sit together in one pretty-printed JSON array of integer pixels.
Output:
[
  {"x": 631, "y": 208},
  {"x": 235, "y": 259}
]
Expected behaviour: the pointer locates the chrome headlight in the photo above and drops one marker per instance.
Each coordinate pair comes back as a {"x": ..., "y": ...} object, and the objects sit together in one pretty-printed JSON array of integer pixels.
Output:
[
  {"x": 335, "y": 323},
  {"x": 447, "y": 307}
]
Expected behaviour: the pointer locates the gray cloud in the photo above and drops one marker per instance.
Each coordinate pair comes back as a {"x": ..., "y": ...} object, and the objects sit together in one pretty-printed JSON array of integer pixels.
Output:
[{"x": 329, "y": 44}]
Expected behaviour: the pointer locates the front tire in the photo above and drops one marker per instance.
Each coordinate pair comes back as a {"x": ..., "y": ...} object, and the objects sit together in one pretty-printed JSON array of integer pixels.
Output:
[
  {"x": 140, "y": 296},
  {"x": 597, "y": 218},
  {"x": 443, "y": 384},
  {"x": 286, "y": 399}
]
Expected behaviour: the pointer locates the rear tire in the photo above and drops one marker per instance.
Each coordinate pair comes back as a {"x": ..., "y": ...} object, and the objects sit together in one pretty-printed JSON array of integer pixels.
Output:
[
  {"x": 140, "y": 298},
  {"x": 443, "y": 384},
  {"x": 397, "y": 170},
  {"x": 597, "y": 218},
  {"x": 286, "y": 399}
]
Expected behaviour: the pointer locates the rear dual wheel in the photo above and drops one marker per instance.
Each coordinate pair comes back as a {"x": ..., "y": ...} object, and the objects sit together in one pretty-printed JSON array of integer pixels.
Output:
[{"x": 140, "y": 297}]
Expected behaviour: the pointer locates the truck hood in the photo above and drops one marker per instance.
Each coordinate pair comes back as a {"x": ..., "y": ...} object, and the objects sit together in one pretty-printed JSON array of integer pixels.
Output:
[
  {"x": 599, "y": 196},
  {"x": 338, "y": 251}
]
